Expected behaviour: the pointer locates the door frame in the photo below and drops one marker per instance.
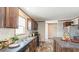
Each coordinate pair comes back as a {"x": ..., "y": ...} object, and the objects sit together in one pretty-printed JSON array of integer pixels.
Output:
[{"x": 46, "y": 28}]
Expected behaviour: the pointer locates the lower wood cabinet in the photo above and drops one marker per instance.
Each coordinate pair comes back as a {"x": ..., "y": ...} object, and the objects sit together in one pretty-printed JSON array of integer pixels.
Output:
[
  {"x": 31, "y": 46},
  {"x": 27, "y": 49}
]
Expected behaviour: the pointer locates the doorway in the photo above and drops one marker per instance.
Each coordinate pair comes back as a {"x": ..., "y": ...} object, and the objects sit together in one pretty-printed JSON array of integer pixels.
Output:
[{"x": 52, "y": 30}]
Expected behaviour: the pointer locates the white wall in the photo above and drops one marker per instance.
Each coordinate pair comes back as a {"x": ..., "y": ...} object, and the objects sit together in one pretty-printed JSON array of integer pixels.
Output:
[
  {"x": 60, "y": 30},
  {"x": 6, "y": 33},
  {"x": 41, "y": 30},
  {"x": 46, "y": 31}
]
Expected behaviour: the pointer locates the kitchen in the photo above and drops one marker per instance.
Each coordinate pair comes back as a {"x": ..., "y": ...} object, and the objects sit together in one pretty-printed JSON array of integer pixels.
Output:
[
  {"x": 26, "y": 29},
  {"x": 15, "y": 27}
]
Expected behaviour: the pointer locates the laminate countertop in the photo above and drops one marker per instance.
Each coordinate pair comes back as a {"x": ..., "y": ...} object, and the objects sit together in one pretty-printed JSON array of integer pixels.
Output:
[
  {"x": 23, "y": 44},
  {"x": 65, "y": 44}
]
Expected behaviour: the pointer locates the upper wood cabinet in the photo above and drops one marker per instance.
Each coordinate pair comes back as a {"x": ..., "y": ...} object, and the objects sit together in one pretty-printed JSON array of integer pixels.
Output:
[
  {"x": 65, "y": 24},
  {"x": 9, "y": 17},
  {"x": 36, "y": 25},
  {"x": 32, "y": 24},
  {"x": 2, "y": 17},
  {"x": 29, "y": 24},
  {"x": 12, "y": 14}
]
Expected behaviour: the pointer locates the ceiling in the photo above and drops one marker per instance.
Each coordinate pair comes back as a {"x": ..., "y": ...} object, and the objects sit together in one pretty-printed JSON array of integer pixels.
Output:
[{"x": 52, "y": 13}]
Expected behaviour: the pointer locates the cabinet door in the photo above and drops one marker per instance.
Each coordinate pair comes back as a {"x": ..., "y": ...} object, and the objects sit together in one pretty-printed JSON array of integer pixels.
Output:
[
  {"x": 33, "y": 26},
  {"x": 29, "y": 24},
  {"x": 31, "y": 47},
  {"x": 12, "y": 17},
  {"x": 36, "y": 25},
  {"x": 2, "y": 17}
]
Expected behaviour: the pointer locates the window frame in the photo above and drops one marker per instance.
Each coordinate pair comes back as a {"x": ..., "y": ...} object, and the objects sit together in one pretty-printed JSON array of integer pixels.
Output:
[{"x": 24, "y": 29}]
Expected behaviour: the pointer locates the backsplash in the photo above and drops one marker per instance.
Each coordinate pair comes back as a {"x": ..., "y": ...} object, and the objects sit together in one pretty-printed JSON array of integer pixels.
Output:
[
  {"x": 6, "y": 33},
  {"x": 72, "y": 31}
]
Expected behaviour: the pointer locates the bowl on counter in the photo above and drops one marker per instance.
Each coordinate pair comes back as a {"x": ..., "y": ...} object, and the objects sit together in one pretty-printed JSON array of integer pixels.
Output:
[{"x": 14, "y": 45}]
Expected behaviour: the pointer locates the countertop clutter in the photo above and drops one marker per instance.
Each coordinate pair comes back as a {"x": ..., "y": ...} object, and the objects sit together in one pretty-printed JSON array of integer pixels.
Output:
[
  {"x": 8, "y": 41},
  {"x": 22, "y": 45}
]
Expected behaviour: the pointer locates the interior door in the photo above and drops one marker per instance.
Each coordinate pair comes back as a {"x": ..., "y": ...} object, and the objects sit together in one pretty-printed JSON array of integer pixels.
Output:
[{"x": 52, "y": 30}]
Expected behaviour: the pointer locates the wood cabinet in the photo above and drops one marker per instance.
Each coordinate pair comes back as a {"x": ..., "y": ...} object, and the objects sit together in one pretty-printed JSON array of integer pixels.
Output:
[
  {"x": 35, "y": 25},
  {"x": 32, "y": 46},
  {"x": 32, "y": 24},
  {"x": 2, "y": 17},
  {"x": 9, "y": 17},
  {"x": 65, "y": 24},
  {"x": 29, "y": 24}
]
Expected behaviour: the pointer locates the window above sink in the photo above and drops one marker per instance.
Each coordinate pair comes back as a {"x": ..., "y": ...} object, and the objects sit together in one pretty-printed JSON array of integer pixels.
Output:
[{"x": 21, "y": 26}]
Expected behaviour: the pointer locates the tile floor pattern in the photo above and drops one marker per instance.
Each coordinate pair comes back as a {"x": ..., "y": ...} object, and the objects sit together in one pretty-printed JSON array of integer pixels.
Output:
[{"x": 46, "y": 46}]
